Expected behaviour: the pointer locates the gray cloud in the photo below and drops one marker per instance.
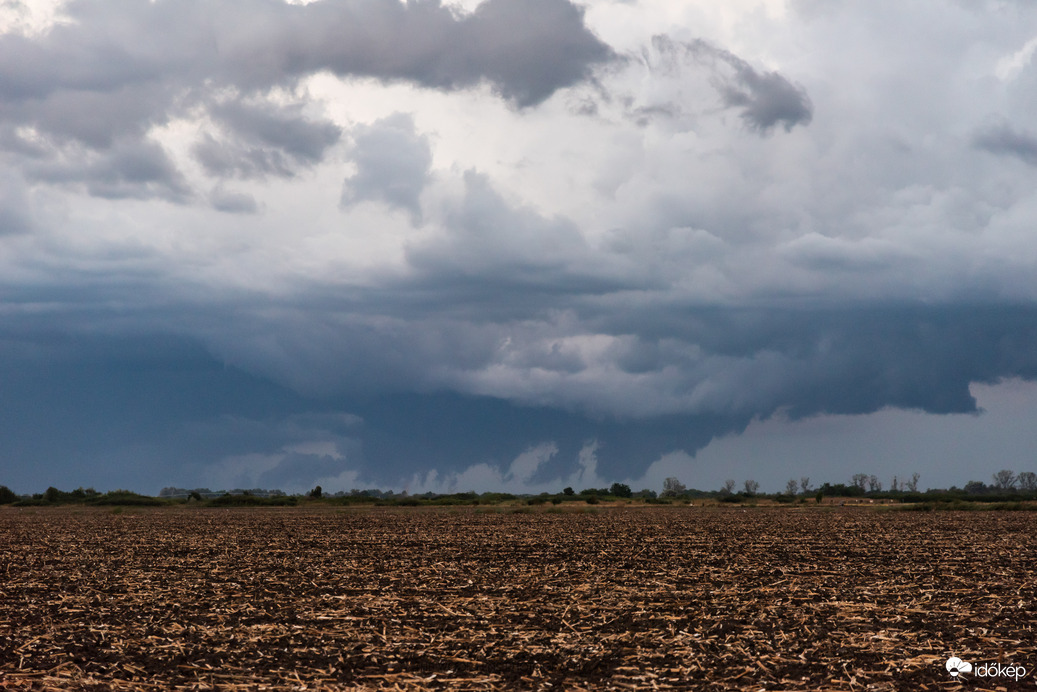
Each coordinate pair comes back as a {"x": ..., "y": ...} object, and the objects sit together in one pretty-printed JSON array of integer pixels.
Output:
[
  {"x": 1002, "y": 139},
  {"x": 489, "y": 238},
  {"x": 138, "y": 169},
  {"x": 15, "y": 211},
  {"x": 262, "y": 139},
  {"x": 115, "y": 71},
  {"x": 766, "y": 99},
  {"x": 684, "y": 72},
  {"x": 392, "y": 162},
  {"x": 135, "y": 61},
  {"x": 526, "y": 50},
  {"x": 233, "y": 202}
]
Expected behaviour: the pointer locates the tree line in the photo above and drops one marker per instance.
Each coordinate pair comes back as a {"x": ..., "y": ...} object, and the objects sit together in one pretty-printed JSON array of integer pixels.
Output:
[{"x": 1006, "y": 485}]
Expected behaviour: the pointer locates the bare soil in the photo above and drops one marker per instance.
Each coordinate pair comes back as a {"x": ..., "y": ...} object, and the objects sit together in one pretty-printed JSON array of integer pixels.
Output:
[{"x": 621, "y": 598}]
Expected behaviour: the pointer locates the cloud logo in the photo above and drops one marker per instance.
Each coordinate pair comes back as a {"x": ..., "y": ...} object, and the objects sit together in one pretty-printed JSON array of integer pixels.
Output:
[{"x": 955, "y": 666}]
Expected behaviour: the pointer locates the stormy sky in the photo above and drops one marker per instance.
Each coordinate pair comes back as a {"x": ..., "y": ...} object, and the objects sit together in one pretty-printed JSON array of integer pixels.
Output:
[{"x": 516, "y": 244}]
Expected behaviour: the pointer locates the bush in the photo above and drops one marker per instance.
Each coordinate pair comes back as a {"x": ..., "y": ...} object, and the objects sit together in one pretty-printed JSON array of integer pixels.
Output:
[{"x": 593, "y": 500}]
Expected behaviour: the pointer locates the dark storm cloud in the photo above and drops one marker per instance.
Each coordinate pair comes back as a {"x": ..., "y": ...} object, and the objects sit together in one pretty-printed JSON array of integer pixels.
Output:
[
  {"x": 163, "y": 411},
  {"x": 766, "y": 99},
  {"x": 1002, "y": 139},
  {"x": 848, "y": 360},
  {"x": 392, "y": 163}
]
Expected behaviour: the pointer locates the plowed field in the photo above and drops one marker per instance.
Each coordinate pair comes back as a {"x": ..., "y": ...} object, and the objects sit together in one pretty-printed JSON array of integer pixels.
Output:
[{"x": 623, "y": 598}]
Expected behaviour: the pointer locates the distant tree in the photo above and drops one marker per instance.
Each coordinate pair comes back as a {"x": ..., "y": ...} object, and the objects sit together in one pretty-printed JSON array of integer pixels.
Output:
[
  {"x": 819, "y": 497},
  {"x": 791, "y": 487},
  {"x": 751, "y": 487},
  {"x": 874, "y": 484},
  {"x": 895, "y": 485},
  {"x": 620, "y": 490},
  {"x": 568, "y": 491},
  {"x": 860, "y": 481},
  {"x": 646, "y": 493},
  {"x": 316, "y": 493},
  {"x": 804, "y": 484},
  {"x": 1027, "y": 481},
  {"x": 1005, "y": 480},
  {"x": 194, "y": 496},
  {"x": 673, "y": 487},
  {"x": 7, "y": 496},
  {"x": 728, "y": 487},
  {"x": 976, "y": 488},
  {"x": 912, "y": 485}
]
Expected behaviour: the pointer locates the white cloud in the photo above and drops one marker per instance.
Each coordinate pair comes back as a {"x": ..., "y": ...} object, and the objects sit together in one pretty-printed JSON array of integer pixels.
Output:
[{"x": 1011, "y": 65}]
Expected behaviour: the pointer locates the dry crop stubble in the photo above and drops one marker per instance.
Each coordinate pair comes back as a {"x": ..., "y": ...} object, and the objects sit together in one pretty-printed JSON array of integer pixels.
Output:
[{"x": 434, "y": 599}]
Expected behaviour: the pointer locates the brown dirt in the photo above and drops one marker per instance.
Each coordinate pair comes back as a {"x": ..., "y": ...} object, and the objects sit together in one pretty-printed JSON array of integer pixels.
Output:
[{"x": 623, "y": 598}]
